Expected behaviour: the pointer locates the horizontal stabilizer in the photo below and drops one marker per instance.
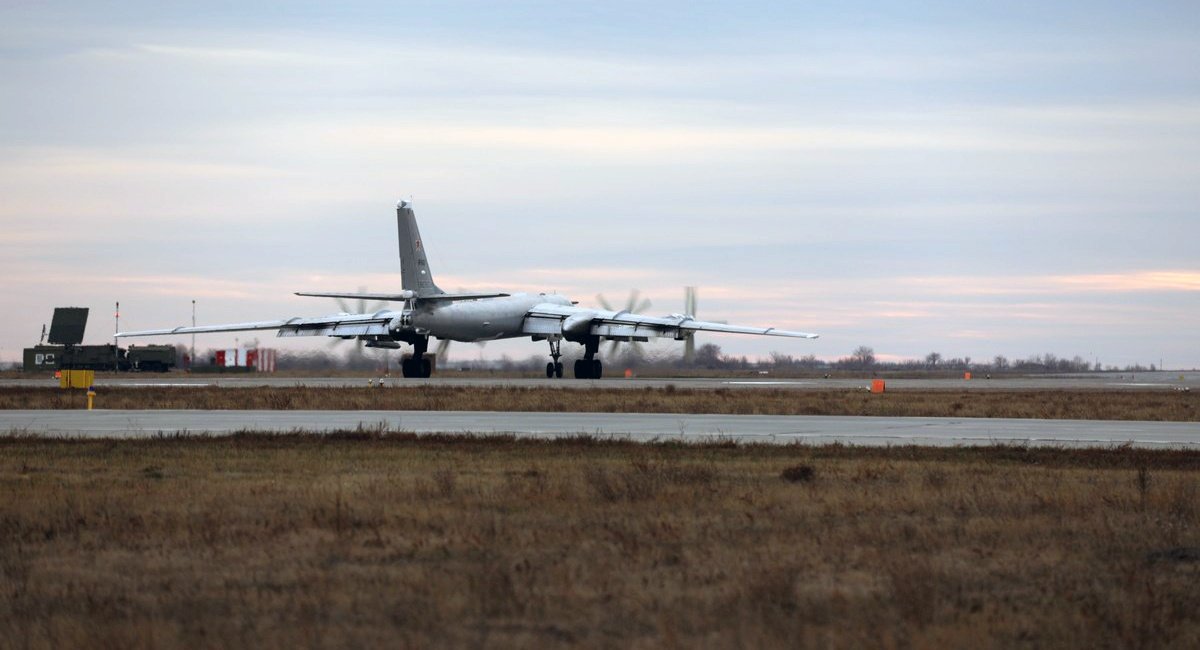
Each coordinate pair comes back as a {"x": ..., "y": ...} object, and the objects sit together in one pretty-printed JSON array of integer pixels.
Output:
[
  {"x": 462, "y": 296},
  {"x": 405, "y": 296},
  {"x": 385, "y": 297}
]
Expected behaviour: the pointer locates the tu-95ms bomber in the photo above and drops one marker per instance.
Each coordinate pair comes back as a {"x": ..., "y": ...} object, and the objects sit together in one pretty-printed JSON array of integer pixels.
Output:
[{"x": 427, "y": 312}]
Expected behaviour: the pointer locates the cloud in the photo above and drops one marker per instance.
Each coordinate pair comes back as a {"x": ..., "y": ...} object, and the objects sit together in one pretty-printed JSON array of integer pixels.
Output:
[
  {"x": 25, "y": 164},
  {"x": 1186, "y": 281},
  {"x": 1128, "y": 282},
  {"x": 238, "y": 56},
  {"x": 624, "y": 142}
]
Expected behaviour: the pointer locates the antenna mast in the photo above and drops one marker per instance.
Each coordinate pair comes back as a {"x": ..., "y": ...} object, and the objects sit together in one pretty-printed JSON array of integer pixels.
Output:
[{"x": 116, "y": 330}]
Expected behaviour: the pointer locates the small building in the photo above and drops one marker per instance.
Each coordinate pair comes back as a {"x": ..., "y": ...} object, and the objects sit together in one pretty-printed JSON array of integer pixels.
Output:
[{"x": 257, "y": 359}]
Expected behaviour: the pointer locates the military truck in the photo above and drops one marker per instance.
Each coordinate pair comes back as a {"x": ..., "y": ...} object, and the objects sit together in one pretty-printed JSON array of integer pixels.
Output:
[
  {"x": 43, "y": 357},
  {"x": 144, "y": 358},
  {"x": 65, "y": 351},
  {"x": 150, "y": 358},
  {"x": 76, "y": 357}
]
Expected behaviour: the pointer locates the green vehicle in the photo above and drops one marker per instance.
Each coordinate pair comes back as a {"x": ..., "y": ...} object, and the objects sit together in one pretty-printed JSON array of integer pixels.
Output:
[
  {"x": 144, "y": 358},
  {"x": 43, "y": 357},
  {"x": 75, "y": 357},
  {"x": 150, "y": 358}
]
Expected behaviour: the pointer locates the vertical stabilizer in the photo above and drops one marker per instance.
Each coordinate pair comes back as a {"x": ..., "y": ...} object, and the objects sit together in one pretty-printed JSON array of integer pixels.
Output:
[{"x": 414, "y": 266}]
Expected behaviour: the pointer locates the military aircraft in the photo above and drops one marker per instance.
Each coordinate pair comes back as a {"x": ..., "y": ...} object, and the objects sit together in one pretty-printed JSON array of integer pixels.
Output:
[{"x": 427, "y": 311}]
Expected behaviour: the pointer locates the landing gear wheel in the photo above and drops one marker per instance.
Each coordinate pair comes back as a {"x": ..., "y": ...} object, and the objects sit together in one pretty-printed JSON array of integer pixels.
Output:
[
  {"x": 555, "y": 367},
  {"x": 413, "y": 367},
  {"x": 587, "y": 368}
]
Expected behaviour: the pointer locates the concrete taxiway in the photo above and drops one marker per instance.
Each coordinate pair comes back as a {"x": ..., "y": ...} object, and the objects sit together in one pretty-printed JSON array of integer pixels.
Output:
[
  {"x": 1165, "y": 381},
  {"x": 744, "y": 428}
]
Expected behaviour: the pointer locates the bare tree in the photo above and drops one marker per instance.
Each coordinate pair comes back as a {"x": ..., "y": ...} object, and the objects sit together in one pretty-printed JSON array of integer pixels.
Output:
[
  {"x": 933, "y": 359},
  {"x": 709, "y": 356},
  {"x": 863, "y": 356},
  {"x": 781, "y": 360}
]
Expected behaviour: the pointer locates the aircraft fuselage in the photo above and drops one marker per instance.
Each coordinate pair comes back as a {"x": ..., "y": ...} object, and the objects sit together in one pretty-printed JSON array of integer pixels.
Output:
[{"x": 480, "y": 320}]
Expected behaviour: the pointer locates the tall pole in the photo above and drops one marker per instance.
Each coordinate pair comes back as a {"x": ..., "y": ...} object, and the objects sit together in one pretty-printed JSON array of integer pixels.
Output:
[
  {"x": 116, "y": 329},
  {"x": 192, "y": 358},
  {"x": 689, "y": 309}
]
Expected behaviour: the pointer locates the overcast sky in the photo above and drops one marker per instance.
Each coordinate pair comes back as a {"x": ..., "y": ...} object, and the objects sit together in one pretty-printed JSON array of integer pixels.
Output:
[{"x": 969, "y": 178}]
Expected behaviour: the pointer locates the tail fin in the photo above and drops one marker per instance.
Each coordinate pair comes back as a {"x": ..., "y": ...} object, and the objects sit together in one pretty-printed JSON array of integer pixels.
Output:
[{"x": 415, "y": 275}]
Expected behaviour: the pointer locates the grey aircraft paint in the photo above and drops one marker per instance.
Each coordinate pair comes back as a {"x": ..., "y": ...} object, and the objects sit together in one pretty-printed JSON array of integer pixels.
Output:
[
  {"x": 428, "y": 312},
  {"x": 415, "y": 274},
  {"x": 481, "y": 320}
]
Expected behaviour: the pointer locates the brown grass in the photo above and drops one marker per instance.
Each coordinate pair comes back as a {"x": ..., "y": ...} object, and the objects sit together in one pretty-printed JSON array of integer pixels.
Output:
[
  {"x": 1080, "y": 405},
  {"x": 403, "y": 541}
]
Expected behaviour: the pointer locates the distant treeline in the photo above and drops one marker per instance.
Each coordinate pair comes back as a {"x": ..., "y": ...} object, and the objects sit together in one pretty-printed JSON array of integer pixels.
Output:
[
  {"x": 863, "y": 358},
  {"x": 708, "y": 356}
]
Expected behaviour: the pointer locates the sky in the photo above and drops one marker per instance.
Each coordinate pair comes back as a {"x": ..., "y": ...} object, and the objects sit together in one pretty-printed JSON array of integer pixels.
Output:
[{"x": 970, "y": 178}]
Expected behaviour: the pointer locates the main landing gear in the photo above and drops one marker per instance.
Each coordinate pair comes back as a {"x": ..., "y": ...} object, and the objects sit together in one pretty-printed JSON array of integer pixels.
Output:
[
  {"x": 555, "y": 367},
  {"x": 589, "y": 367},
  {"x": 417, "y": 365}
]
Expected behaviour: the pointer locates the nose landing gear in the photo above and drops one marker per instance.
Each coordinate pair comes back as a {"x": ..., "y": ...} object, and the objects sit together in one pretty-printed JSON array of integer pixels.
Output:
[{"x": 555, "y": 368}]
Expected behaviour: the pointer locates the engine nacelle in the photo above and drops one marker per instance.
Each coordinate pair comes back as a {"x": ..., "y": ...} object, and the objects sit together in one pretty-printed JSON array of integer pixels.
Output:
[{"x": 577, "y": 327}]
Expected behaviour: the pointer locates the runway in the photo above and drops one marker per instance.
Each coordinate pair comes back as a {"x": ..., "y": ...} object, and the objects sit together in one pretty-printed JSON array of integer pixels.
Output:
[
  {"x": 1156, "y": 381},
  {"x": 634, "y": 426}
]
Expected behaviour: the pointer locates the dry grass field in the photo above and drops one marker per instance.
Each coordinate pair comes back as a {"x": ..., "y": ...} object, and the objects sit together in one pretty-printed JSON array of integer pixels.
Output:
[
  {"x": 401, "y": 541},
  {"x": 1060, "y": 404}
]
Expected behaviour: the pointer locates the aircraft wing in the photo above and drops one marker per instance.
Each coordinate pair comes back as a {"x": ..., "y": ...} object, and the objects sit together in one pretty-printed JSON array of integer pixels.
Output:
[
  {"x": 333, "y": 325},
  {"x": 551, "y": 319}
]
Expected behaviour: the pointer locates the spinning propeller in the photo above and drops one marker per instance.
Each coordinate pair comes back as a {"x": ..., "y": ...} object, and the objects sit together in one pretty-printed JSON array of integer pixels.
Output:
[
  {"x": 689, "y": 310},
  {"x": 361, "y": 306},
  {"x": 632, "y": 305}
]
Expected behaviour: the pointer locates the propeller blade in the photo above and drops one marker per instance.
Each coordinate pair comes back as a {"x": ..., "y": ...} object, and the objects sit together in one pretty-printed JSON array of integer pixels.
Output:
[
  {"x": 633, "y": 298},
  {"x": 633, "y": 304},
  {"x": 362, "y": 302}
]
